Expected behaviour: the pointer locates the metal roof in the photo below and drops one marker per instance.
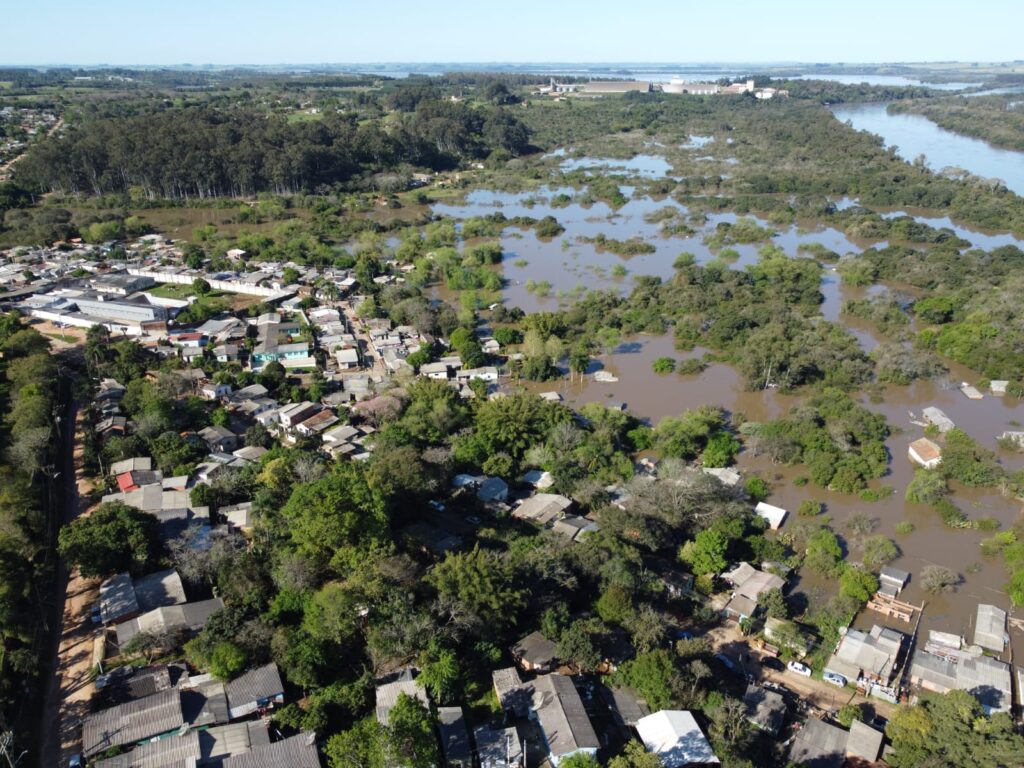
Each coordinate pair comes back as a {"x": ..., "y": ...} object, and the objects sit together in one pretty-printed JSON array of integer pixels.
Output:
[
  {"x": 765, "y": 709},
  {"x": 864, "y": 741},
  {"x": 132, "y": 722},
  {"x": 388, "y": 693},
  {"x": 455, "y": 744},
  {"x": 253, "y": 689},
  {"x": 117, "y": 598},
  {"x": 536, "y": 649},
  {"x": 498, "y": 748},
  {"x": 674, "y": 736},
  {"x": 990, "y": 628},
  {"x": 299, "y": 751},
  {"x": 562, "y": 716},
  {"x": 819, "y": 744}
]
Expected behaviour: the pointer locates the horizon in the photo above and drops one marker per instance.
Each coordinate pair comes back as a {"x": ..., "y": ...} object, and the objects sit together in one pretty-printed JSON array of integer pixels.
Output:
[{"x": 119, "y": 33}]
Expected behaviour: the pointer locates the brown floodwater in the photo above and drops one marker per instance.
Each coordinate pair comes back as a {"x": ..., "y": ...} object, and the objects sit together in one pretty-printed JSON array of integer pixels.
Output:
[{"x": 568, "y": 265}]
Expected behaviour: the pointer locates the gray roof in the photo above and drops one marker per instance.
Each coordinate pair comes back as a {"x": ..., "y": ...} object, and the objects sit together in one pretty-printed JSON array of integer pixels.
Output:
[
  {"x": 186, "y": 749},
  {"x": 562, "y": 716},
  {"x": 117, "y": 598},
  {"x": 864, "y": 741},
  {"x": 819, "y": 745},
  {"x": 169, "y": 619},
  {"x": 455, "y": 746},
  {"x": 159, "y": 589},
  {"x": 299, "y": 751},
  {"x": 987, "y": 679},
  {"x": 253, "y": 689},
  {"x": 498, "y": 747},
  {"x": 990, "y": 628},
  {"x": 765, "y": 709},
  {"x": 509, "y": 688},
  {"x": 131, "y": 722},
  {"x": 388, "y": 693},
  {"x": 536, "y": 649}
]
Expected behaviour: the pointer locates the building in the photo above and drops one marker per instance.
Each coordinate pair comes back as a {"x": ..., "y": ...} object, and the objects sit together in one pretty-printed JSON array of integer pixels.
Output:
[
  {"x": 122, "y": 599},
  {"x": 871, "y": 655},
  {"x": 674, "y": 736},
  {"x": 749, "y": 584},
  {"x": 609, "y": 87},
  {"x": 293, "y": 414},
  {"x": 892, "y": 581},
  {"x": 388, "y": 693},
  {"x": 498, "y": 747},
  {"x": 990, "y": 628},
  {"x": 773, "y": 515},
  {"x": 938, "y": 419},
  {"x": 255, "y": 690},
  {"x": 677, "y": 85},
  {"x": 299, "y": 751},
  {"x": 864, "y": 742},
  {"x": 169, "y": 620},
  {"x": 219, "y": 439},
  {"x": 563, "y": 719},
  {"x": 819, "y": 744},
  {"x": 132, "y": 722},
  {"x": 987, "y": 679},
  {"x": 926, "y": 453},
  {"x": 764, "y": 709},
  {"x": 535, "y": 653},
  {"x": 542, "y": 508},
  {"x": 456, "y": 749},
  {"x": 512, "y": 695},
  {"x": 208, "y": 746}
]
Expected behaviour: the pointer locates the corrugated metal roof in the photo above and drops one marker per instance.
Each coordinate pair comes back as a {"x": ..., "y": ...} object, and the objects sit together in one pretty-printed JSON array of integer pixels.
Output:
[
  {"x": 297, "y": 752},
  {"x": 253, "y": 689},
  {"x": 131, "y": 722},
  {"x": 562, "y": 715}
]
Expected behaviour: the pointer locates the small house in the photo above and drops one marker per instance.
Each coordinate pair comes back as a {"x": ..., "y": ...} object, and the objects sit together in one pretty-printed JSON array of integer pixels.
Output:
[
  {"x": 892, "y": 581},
  {"x": 990, "y": 628},
  {"x": 513, "y": 696},
  {"x": 674, "y": 736},
  {"x": 774, "y": 515},
  {"x": 388, "y": 693},
  {"x": 925, "y": 453},
  {"x": 219, "y": 439},
  {"x": 764, "y": 709},
  {"x": 456, "y": 750},
  {"x": 938, "y": 419},
  {"x": 563, "y": 719},
  {"x": 498, "y": 747},
  {"x": 535, "y": 653}
]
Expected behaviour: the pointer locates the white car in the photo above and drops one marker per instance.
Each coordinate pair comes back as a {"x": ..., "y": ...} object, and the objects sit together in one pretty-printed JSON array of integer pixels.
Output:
[
  {"x": 834, "y": 678},
  {"x": 800, "y": 669}
]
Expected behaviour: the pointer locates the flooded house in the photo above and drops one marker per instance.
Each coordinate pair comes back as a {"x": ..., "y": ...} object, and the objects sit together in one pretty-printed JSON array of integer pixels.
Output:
[
  {"x": 925, "y": 453},
  {"x": 938, "y": 419},
  {"x": 773, "y": 515},
  {"x": 987, "y": 679},
  {"x": 990, "y": 628},
  {"x": 749, "y": 584}
]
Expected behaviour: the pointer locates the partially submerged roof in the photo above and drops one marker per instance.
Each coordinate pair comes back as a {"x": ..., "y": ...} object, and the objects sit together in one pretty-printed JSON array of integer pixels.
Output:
[
  {"x": 674, "y": 736},
  {"x": 990, "y": 628}
]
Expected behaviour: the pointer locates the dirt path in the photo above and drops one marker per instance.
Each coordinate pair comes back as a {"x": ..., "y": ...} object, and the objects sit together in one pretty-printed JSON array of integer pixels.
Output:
[
  {"x": 728, "y": 640},
  {"x": 70, "y": 689}
]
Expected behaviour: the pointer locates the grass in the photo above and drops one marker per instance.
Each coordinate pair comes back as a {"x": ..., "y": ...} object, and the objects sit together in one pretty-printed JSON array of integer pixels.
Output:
[{"x": 172, "y": 291}]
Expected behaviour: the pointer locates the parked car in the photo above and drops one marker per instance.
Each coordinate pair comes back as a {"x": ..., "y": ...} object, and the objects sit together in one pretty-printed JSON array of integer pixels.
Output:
[
  {"x": 726, "y": 661},
  {"x": 834, "y": 678},
  {"x": 75, "y": 761},
  {"x": 113, "y": 676},
  {"x": 682, "y": 634},
  {"x": 800, "y": 669},
  {"x": 95, "y": 615},
  {"x": 770, "y": 662}
]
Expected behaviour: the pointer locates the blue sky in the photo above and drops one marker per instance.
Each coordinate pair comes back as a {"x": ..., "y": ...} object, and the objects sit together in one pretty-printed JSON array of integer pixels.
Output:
[{"x": 313, "y": 31}]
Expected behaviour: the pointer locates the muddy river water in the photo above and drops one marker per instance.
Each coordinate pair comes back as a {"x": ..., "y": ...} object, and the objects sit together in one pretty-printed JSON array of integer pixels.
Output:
[{"x": 567, "y": 264}]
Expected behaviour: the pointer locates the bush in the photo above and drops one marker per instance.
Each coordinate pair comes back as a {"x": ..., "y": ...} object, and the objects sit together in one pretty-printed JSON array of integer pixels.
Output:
[
  {"x": 905, "y": 528},
  {"x": 936, "y": 579},
  {"x": 664, "y": 365},
  {"x": 810, "y": 508}
]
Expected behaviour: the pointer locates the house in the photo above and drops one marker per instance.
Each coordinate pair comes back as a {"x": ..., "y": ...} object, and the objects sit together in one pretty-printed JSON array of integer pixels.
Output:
[
  {"x": 535, "y": 653},
  {"x": 388, "y": 693},
  {"x": 925, "y": 452},
  {"x": 169, "y": 620},
  {"x": 132, "y": 722},
  {"x": 987, "y": 679},
  {"x": 990, "y": 628},
  {"x": 725, "y": 475},
  {"x": 563, "y": 719},
  {"x": 249, "y": 452},
  {"x": 487, "y": 488},
  {"x": 998, "y": 386},
  {"x": 774, "y": 515},
  {"x": 137, "y": 478},
  {"x": 574, "y": 527},
  {"x": 512, "y": 695},
  {"x": 139, "y": 464},
  {"x": 539, "y": 479},
  {"x": 293, "y": 414},
  {"x": 892, "y": 581},
  {"x": 213, "y": 391},
  {"x": 436, "y": 371},
  {"x": 207, "y": 746},
  {"x": 347, "y": 358},
  {"x": 299, "y": 751},
  {"x": 864, "y": 742},
  {"x": 749, "y": 583},
  {"x": 498, "y": 747},
  {"x": 938, "y": 419},
  {"x": 674, "y": 736},
  {"x": 456, "y": 749},
  {"x": 239, "y": 516},
  {"x": 219, "y": 439},
  {"x": 122, "y": 599},
  {"x": 257, "y": 689},
  {"x": 226, "y": 353},
  {"x": 764, "y": 709},
  {"x": 819, "y": 745},
  {"x": 542, "y": 508},
  {"x": 871, "y": 655},
  {"x": 604, "y": 87},
  {"x": 317, "y": 423}
]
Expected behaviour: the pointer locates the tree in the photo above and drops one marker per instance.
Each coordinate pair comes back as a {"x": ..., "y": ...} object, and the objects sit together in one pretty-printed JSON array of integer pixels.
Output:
[
  {"x": 635, "y": 756},
  {"x": 114, "y": 538},
  {"x": 580, "y": 760},
  {"x": 878, "y": 551},
  {"x": 655, "y": 677},
  {"x": 849, "y": 713},
  {"x": 615, "y": 604},
  {"x": 926, "y": 487},
  {"x": 410, "y": 734},
  {"x": 576, "y": 647},
  {"x": 664, "y": 365},
  {"x": 936, "y": 579},
  {"x": 824, "y": 554},
  {"x": 439, "y": 673},
  {"x": 706, "y": 553},
  {"x": 720, "y": 450},
  {"x": 774, "y": 604},
  {"x": 226, "y": 661},
  {"x": 479, "y": 583},
  {"x": 362, "y": 746},
  {"x": 200, "y": 287},
  {"x": 858, "y": 584}
]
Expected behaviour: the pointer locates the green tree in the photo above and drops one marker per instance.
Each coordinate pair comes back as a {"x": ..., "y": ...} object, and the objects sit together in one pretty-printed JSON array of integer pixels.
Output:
[
  {"x": 720, "y": 450},
  {"x": 878, "y": 551},
  {"x": 858, "y": 584},
  {"x": 410, "y": 734},
  {"x": 478, "y": 585},
  {"x": 440, "y": 673},
  {"x": 824, "y": 554},
  {"x": 849, "y": 713},
  {"x": 114, "y": 538},
  {"x": 706, "y": 553},
  {"x": 927, "y": 487},
  {"x": 361, "y": 746},
  {"x": 615, "y": 604},
  {"x": 655, "y": 677},
  {"x": 200, "y": 287}
]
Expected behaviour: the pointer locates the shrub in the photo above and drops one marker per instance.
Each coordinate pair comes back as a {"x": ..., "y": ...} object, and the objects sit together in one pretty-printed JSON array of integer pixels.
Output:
[
  {"x": 664, "y": 365},
  {"x": 936, "y": 579}
]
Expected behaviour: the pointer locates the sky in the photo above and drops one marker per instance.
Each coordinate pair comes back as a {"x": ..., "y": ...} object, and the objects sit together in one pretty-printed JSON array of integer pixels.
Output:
[{"x": 158, "y": 32}]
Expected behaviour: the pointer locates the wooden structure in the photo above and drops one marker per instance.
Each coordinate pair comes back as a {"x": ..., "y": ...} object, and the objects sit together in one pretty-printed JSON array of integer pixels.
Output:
[{"x": 893, "y": 608}]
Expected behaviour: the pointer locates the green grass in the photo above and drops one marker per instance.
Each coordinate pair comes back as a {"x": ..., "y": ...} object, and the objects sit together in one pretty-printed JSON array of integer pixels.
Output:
[{"x": 172, "y": 291}]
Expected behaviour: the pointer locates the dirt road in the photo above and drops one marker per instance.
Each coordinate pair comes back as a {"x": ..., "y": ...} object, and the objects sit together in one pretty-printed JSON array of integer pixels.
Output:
[
  {"x": 70, "y": 689},
  {"x": 728, "y": 641}
]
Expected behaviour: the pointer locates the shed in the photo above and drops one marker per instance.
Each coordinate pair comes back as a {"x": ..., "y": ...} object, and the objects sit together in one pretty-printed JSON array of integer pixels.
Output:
[
  {"x": 998, "y": 386},
  {"x": 938, "y": 418},
  {"x": 990, "y": 628},
  {"x": 892, "y": 580},
  {"x": 512, "y": 695},
  {"x": 674, "y": 736},
  {"x": 864, "y": 742}
]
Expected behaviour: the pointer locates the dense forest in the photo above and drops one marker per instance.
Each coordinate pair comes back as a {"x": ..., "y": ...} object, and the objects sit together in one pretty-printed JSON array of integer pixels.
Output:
[
  {"x": 996, "y": 119},
  {"x": 199, "y": 152}
]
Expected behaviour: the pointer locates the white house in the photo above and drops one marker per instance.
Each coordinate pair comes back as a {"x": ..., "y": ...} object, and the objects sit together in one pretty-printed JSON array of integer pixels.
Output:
[
  {"x": 774, "y": 515},
  {"x": 925, "y": 452}
]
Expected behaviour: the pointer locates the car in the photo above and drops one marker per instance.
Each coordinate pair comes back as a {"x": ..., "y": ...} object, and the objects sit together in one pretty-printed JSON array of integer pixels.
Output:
[
  {"x": 770, "y": 662},
  {"x": 113, "y": 676},
  {"x": 95, "y": 615},
  {"x": 682, "y": 634},
  {"x": 834, "y": 679},
  {"x": 75, "y": 761},
  {"x": 725, "y": 661},
  {"x": 798, "y": 668}
]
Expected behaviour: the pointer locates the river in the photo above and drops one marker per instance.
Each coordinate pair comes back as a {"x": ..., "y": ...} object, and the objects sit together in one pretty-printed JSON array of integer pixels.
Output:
[{"x": 914, "y": 135}]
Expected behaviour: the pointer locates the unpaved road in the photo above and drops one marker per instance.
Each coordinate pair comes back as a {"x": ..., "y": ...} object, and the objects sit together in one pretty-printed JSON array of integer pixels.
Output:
[
  {"x": 727, "y": 639},
  {"x": 70, "y": 689}
]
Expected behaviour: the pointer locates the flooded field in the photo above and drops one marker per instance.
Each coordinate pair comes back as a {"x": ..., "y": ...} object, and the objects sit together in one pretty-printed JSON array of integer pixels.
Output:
[{"x": 569, "y": 265}]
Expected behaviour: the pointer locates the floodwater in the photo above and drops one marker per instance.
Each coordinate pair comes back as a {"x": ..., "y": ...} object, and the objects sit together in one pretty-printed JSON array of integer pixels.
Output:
[
  {"x": 914, "y": 135},
  {"x": 648, "y": 166},
  {"x": 567, "y": 264},
  {"x": 895, "y": 80}
]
